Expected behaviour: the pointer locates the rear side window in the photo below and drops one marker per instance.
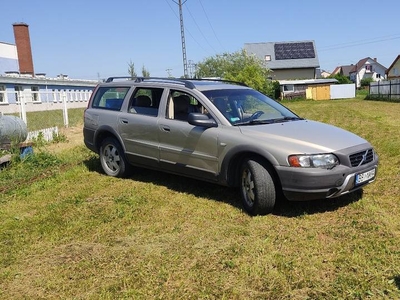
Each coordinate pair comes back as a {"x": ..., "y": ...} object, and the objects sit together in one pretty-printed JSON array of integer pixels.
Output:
[
  {"x": 146, "y": 101},
  {"x": 110, "y": 97}
]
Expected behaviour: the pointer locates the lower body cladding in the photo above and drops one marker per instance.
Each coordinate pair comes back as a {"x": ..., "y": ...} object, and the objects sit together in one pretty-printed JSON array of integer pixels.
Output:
[{"x": 302, "y": 184}]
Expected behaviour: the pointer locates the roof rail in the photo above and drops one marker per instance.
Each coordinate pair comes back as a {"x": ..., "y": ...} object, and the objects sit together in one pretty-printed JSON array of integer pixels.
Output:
[
  {"x": 111, "y": 79},
  {"x": 181, "y": 81},
  {"x": 222, "y": 80},
  {"x": 184, "y": 82}
]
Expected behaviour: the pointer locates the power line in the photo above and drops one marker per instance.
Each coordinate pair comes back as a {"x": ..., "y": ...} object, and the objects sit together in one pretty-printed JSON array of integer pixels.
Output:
[
  {"x": 198, "y": 27},
  {"x": 359, "y": 43},
  {"x": 212, "y": 28}
]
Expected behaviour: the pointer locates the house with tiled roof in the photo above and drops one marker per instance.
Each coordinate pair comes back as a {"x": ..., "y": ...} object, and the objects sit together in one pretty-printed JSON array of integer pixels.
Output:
[
  {"x": 367, "y": 68},
  {"x": 287, "y": 60},
  {"x": 393, "y": 72},
  {"x": 343, "y": 70}
]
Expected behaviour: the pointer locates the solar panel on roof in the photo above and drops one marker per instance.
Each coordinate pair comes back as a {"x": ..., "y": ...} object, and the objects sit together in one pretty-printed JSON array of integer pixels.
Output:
[{"x": 294, "y": 50}]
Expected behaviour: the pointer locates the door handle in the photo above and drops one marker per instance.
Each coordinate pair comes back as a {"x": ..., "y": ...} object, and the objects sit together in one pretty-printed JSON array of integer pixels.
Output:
[
  {"x": 165, "y": 128},
  {"x": 124, "y": 121}
]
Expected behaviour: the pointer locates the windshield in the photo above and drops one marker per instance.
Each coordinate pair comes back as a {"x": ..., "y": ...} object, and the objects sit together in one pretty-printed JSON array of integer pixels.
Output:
[{"x": 247, "y": 106}]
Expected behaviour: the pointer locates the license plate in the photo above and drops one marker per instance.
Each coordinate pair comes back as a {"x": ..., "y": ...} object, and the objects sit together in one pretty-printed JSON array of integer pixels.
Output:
[{"x": 363, "y": 177}]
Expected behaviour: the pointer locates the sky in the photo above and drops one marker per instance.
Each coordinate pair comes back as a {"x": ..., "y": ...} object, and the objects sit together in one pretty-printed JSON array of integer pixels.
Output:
[{"x": 88, "y": 39}]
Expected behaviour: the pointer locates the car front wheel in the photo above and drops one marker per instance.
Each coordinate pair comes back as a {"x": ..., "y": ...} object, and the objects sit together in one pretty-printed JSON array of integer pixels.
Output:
[
  {"x": 257, "y": 187},
  {"x": 112, "y": 158}
]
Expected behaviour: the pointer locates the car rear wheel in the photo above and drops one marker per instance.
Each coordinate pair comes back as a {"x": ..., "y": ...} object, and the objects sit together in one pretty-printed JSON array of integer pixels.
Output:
[
  {"x": 112, "y": 158},
  {"x": 257, "y": 187}
]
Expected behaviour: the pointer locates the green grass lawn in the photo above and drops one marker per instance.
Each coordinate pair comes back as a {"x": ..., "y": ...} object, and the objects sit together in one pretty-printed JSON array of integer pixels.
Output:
[{"x": 67, "y": 231}]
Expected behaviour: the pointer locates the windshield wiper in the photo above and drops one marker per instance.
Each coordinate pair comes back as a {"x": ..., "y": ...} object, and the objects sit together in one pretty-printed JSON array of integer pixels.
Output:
[
  {"x": 269, "y": 121},
  {"x": 290, "y": 119}
]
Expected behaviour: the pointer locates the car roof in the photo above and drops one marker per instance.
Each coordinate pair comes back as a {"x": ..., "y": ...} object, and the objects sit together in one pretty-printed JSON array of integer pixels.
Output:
[
  {"x": 204, "y": 85},
  {"x": 199, "y": 84}
]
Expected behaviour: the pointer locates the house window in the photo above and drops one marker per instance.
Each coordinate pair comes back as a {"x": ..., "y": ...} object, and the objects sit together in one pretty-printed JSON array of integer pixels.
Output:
[
  {"x": 267, "y": 57},
  {"x": 378, "y": 75},
  {"x": 368, "y": 68},
  {"x": 54, "y": 95},
  {"x": 396, "y": 71},
  {"x": 69, "y": 96},
  {"x": 3, "y": 98},
  {"x": 35, "y": 93},
  {"x": 288, "y": 88},
  {"x": 18, "y": 92}
]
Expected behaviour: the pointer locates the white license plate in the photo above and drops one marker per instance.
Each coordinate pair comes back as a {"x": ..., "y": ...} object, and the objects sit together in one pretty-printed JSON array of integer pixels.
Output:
[{"x": 363, "y": 177}]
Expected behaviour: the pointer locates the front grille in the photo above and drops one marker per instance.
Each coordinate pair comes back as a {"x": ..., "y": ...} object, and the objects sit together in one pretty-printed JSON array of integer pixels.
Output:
[{"x": 361, "y": 158}]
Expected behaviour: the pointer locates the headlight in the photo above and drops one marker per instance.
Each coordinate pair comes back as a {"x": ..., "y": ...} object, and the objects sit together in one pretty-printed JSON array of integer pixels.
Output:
[{"x": 324, "y": 161}]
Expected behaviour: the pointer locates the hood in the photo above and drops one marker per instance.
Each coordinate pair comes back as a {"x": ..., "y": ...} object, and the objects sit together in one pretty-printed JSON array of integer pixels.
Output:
[{"x": 309, "y": 136}]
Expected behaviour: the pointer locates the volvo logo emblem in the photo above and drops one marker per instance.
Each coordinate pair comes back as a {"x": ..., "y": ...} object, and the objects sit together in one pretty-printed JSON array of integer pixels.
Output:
[{"x": 364, "y": 158}]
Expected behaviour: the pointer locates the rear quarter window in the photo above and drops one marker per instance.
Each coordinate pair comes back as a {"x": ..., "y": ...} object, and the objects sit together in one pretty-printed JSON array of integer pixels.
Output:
[{"x": 110, "y": 97}]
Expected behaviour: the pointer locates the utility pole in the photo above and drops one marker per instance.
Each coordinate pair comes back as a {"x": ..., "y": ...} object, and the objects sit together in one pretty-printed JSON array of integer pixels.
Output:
[{"x": 185, "y": 67}]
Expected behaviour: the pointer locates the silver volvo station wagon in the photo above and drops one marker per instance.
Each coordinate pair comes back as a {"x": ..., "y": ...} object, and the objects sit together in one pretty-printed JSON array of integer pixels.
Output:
[{"x": 227, "y": 133}]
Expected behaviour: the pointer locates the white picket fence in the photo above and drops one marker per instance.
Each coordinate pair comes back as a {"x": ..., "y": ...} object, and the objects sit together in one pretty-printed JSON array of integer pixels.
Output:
[
  {"x": 44, "y": 101},
  {"x": 47, "y": 134}
]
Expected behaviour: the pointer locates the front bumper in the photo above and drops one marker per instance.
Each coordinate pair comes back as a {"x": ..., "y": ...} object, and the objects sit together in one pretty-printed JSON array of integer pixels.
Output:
[{"x": 300, "y": 184}]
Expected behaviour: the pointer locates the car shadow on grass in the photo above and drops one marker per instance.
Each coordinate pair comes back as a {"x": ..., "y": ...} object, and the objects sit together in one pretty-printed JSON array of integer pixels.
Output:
[
  {"x": 228, "y": 195},
  {"x": 397, "y": 281},
  {"x": 179, "y": 184},
  {"x": 191, "y": 186},
  {"x": 297, "y": 208}
]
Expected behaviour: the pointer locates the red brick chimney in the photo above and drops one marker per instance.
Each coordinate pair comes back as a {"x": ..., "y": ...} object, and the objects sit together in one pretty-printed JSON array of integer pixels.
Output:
[{"x": 24, "y": 51}]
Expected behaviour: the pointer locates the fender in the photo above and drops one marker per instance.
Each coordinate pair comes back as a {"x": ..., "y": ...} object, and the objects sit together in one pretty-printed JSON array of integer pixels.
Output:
[
  {"x": 105, "y": 131},
  {"x": 236, "y": 154}
]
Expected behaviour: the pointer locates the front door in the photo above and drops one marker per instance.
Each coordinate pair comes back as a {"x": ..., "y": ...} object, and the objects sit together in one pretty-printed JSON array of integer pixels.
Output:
[{"x": 184, "y": 148}]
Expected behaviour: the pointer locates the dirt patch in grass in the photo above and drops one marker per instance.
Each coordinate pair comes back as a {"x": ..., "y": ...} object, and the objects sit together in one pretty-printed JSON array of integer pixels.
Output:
[{"x": 74, "y": 136}]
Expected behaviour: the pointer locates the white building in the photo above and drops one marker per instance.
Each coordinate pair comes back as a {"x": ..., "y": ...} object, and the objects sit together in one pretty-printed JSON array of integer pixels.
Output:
[{"x": 367, "y": 68}]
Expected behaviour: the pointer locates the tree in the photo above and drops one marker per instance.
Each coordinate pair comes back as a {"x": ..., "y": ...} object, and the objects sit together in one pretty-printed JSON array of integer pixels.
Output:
[
  {"x": 131, "y": 69},
  {"x": 342, "y": 79},
  {"x": 145, "y": 72},
  {"x": 238, "y": 66}
]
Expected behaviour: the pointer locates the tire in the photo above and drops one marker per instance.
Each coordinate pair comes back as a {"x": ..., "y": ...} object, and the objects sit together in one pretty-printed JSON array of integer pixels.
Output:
[
  {"x": 112, "y": 158},
  {"x": 257, "y": 187}
]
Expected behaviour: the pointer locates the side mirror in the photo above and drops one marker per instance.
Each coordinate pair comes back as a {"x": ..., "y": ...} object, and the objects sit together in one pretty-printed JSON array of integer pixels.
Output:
[{"x": 198, "y": 119}]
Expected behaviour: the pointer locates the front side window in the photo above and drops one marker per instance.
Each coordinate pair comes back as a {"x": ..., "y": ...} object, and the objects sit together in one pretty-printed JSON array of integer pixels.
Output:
[
  {"x": 181, "y": 104},
  {"x": 110, "y": 97}
]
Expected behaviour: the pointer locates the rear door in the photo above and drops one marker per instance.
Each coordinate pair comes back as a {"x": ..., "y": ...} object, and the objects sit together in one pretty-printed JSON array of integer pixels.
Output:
[{"x": 138, "y": 126}]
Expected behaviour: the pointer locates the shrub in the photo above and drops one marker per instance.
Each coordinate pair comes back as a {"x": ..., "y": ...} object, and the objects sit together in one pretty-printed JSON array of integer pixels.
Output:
[
  {"x": 366, "y": 81},
  {"x": 342, "y": 79}
]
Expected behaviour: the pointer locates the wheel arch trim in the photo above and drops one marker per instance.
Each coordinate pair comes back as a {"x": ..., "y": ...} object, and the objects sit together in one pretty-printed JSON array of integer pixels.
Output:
[
  {"x": 106, "y": 131},
  {"x": 231, "y": 162}
]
